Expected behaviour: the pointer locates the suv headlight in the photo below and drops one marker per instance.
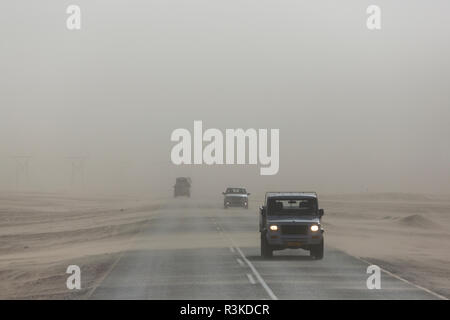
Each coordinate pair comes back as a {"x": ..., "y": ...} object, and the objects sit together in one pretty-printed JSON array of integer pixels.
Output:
[
  {"x": 273, "y": 227},
  {"x": 314, "y": 228}
]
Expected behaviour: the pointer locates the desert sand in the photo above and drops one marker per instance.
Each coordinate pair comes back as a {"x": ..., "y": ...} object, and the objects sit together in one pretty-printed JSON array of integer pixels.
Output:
[
  {"x": 41, "y": 234},
  {"x": 406, "y": 234}
]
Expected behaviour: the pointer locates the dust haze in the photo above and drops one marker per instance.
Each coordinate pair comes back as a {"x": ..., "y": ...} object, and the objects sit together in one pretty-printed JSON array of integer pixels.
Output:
[
  {"x": 358, "y": 111},
  {"x": 85, "y": 124}
]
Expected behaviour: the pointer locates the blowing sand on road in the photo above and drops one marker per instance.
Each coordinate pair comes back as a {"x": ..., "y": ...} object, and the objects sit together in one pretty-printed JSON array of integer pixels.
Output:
[{"x": 194, "y": 249}]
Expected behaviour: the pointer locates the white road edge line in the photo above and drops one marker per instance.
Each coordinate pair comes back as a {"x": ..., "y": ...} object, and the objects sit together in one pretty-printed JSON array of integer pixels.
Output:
[
  {"x": 274, "y": 297},
  {"x": 405, "y": 281},
  {"x": 241, "y": 263},
  {"x": 250, "y": 278},
  {"x": 111, "y": 268},
  {"x": 257, "y": 275}
]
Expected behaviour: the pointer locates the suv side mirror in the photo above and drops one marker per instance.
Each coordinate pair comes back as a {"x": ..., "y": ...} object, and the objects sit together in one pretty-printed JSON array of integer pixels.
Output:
[
  {"x": 262, "y": 210},
  {"x": 321, "y": 212},
  {"x": 223, "y": 193},
  {"x": 248, "y": 193}
]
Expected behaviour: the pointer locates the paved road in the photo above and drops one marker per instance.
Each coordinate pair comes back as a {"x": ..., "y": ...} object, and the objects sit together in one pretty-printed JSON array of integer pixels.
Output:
[{"x": 201, "y": 251}]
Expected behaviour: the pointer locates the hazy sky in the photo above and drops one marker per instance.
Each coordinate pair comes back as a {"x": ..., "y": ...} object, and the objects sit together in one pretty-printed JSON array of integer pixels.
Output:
[{"x": 356, "y": 109}]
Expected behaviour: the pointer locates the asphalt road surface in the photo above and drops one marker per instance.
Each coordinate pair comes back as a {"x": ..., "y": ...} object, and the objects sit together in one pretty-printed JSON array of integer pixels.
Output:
[{"x": 202, "y": 251}]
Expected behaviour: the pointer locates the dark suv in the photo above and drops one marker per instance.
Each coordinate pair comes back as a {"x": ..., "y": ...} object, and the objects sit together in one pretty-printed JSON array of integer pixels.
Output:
[
  {"x": 182, "y": 187},
  {"x": 291, "y": 220}
]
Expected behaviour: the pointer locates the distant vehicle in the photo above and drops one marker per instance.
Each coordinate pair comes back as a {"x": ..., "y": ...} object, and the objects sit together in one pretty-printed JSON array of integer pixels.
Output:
[
  {"x": 291, "y": 220},
  {"x": 235, "y": 197},
  {"x": 182, "y": 187}
]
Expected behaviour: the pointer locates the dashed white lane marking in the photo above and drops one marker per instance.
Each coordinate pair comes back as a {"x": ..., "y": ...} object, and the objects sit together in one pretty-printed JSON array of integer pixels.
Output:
[
  {"x": 250, "y": 278},
  {"x": 274, "y": 297},
  {"x": 255, "y": 272},
  {"x": 252, "y": 267},
  {"x": 437, "y": 295},
  {"x": 241, "y": 263}
]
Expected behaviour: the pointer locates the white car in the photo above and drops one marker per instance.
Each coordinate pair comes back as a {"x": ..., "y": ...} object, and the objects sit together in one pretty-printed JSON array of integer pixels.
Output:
[{"x": 235, "y": 197}]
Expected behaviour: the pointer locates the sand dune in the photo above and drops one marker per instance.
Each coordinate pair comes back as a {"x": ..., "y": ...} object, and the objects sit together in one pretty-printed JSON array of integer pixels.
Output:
[{"x": 418, "y": 221}]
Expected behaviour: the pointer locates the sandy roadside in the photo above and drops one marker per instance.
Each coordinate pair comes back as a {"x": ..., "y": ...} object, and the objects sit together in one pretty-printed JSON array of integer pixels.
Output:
[
  {"x": 406, "y": 234},
  {"x": 42, "y": 234}
]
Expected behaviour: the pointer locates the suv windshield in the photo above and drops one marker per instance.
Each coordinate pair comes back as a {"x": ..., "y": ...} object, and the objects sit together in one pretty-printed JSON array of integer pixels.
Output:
[
  {"x": 235, "y": 190},
  {"x": 292, "y": 207}
]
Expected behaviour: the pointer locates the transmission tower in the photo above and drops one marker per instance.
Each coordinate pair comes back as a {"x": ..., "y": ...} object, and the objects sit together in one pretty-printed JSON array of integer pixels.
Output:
[
  {"x": 21, "y": 164},
  {"x": 77, "y": 170}
]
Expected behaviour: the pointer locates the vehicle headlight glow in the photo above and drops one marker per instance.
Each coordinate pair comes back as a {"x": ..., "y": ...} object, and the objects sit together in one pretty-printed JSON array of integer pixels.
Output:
[
  {"x": 273, "y": 227},
  {"x": 314, "y": 228}
]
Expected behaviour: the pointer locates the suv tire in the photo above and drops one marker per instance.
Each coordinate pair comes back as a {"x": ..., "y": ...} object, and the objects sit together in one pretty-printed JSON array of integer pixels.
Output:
[
  {"x": 316, "y": 251},
  {"x": 266, "y": 250}
]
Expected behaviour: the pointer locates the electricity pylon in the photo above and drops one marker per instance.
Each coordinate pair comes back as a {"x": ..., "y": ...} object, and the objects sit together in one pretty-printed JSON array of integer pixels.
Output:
[
  {"x": 21, "y": 164},
  {"x": 77, "y": 173}
]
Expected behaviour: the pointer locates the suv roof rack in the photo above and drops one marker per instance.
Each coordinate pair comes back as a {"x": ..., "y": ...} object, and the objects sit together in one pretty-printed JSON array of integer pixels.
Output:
[
  {"x": 291, "y": 193},
  {"x": 313, "y": 192}
]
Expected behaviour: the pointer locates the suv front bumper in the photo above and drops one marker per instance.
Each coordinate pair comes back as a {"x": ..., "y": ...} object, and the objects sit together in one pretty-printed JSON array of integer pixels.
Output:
[
  {"x": 236, "y": 203},
  {"x": 278, "y": 240}
]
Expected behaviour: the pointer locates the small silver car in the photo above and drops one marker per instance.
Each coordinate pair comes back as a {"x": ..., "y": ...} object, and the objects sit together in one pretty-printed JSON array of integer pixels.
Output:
[
  {"x": 291, "y": 220},
  {"x": 235, "y": 197}
]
